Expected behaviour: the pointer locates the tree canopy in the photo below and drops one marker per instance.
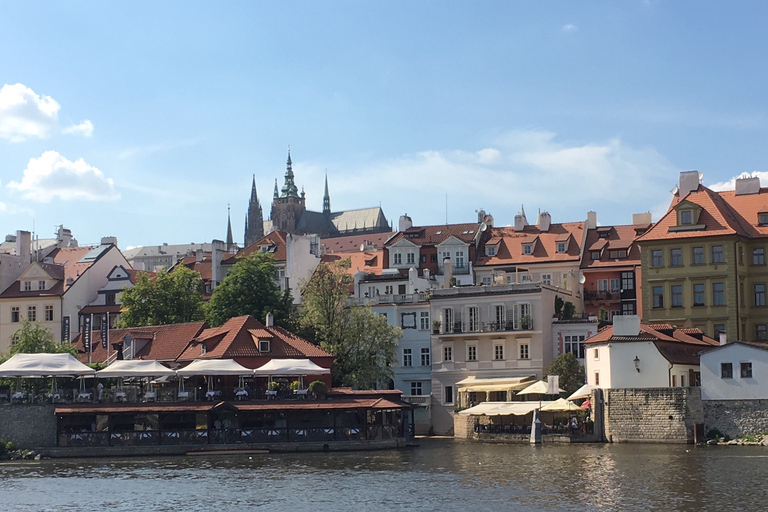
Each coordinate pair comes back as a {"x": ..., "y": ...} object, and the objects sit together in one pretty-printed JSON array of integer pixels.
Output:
[
  {"x": 251, "y": 288},
  {"x": 362, "y": 342},
  {"x": 571, "y": 373},
  {"x": 171, "y": 297},
  {"x": 33, "y": 338}
]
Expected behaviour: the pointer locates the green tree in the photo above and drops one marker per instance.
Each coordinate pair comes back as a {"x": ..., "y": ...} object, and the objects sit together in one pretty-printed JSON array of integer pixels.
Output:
[
  {"x": 251, "y": 288},
  {"x": 571, "y": 373},
  {"x": 362, "y": 342},
  {"x": 33, "y": 338},
  {"x": 173, "y": 297}
]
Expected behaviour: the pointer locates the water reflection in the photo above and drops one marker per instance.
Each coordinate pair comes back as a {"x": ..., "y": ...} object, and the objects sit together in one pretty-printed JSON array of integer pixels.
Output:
[{"x": 439, "y": 475}]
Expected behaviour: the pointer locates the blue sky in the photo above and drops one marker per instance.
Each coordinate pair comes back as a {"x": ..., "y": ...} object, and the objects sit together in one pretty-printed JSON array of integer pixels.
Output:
[{"x": 144, "y": 120}]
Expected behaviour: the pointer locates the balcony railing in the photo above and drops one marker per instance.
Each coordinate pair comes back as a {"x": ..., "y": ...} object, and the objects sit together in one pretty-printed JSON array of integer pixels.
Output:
[
  {"x": 424, "y": 400},
  {"x": 390, "y": 298},
  {"x": 466, "y": 327},
  {"x": 457, "y": 270}
]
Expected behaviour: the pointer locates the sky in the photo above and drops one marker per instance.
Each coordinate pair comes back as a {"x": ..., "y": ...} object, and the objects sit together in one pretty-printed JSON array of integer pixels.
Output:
[{"x": 147, "y": 120}]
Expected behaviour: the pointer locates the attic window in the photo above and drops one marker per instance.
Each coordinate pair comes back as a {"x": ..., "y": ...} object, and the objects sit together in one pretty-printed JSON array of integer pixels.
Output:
[
  {"x": 490, "y": 250},
  {"x": 561, "y": 246},
  {"x": 595, "y": 255},
  {"x": 762, "y": 218},
  {"x": 27, "y": 286},
  {"x": 203, "y": 349},
  {"x": 527, "y": 248},
  {"x": 685, "y": 217},
  {"x": 264, "y": 346}
]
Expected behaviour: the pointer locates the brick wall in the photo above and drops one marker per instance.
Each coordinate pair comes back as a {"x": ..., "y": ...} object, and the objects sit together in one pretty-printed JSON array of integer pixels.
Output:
[
  {"x": 29, "y": 426},
  {"x": 736, "y": 418},
  {"x": 656, "y": 415}
]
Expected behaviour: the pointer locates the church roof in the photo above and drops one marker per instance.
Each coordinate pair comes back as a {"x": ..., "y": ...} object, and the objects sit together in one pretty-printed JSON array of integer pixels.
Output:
[{"x": 364, "y": 218}]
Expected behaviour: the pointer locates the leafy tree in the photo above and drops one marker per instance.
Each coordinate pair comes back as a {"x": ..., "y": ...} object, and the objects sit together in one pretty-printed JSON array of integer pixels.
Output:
[
  {"x": 569, "y": 309},
  {"x": 173, "y": 297},
  {"x": 33, "y": 338},
  {"x": 363, "y": 343},
  {"x": 571, "y": 373},
  {"x": 250, "y": 288}
]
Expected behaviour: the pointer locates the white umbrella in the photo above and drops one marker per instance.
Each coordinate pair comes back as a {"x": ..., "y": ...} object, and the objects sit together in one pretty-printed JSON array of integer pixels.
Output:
[
  {"x": 214, "y": 367},
  {"x": 43, "y": 365},
  {"x": 584, "y": 391},
  {"x": 561, "y": 404},
  {"x": 136, "y": 368},
  {"x": 537, "y": 388}
]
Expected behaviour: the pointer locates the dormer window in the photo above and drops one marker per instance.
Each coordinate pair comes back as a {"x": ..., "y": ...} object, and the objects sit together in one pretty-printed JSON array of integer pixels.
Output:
[
  {"x": 762, "y": 218},
  {"x": 41, "y": 285},
  {"x": 595, "y": 255},
  {"x": 490, "y": 250},
  {"x": 527, "y": 248},
  {"x": 27, "y": 286},
  {"x": 561, "y": 246},
  {"x": 685, "y": 217},
  {"x": 264, "y": 346},
  {"x": 203, "y": 349}
]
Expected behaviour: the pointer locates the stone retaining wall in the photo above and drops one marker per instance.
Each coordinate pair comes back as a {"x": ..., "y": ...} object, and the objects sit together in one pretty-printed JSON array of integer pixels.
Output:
[
  {"x": 28, "y": 425},
  {"x": 656, "y": 415},
  {"x": 736, "y": 418}
]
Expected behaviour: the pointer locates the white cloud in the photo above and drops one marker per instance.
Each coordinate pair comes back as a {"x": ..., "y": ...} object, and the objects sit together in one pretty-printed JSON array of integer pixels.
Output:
[
  {"x": 522, "y": 167},
  {"x": 85, "y": 128},
  {"x": 731, "y": 184},
  {"x": 569, "y": 28},
  {"x": 25, "y": 114},
  {"x": 52, "y": 176}
]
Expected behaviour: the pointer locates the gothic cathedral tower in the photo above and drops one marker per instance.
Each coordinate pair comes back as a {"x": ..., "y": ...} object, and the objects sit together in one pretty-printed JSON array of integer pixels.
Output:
[
  {"x": 254, "y": 219},
  {"x": 288, "y": 206}
]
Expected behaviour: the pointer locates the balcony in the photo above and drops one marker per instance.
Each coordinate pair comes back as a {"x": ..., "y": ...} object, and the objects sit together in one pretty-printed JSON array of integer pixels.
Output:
[
  {"x": 601, "y": 296},
  {"x": 508, "y": 326},
  {"x": 457, "y": 270},
  {"x": 422, "y": 400},
  {"x": 390, "y": 298}
]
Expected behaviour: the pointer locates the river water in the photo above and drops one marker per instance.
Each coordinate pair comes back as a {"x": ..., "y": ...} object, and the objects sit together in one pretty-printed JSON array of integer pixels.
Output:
[{"x": 442, "y": 475}]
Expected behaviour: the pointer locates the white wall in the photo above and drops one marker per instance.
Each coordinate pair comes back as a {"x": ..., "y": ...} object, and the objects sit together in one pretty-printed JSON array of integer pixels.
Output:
[
  {"x": 617, "y": 367},
  {"x": 714, "y": 387},
  {"x": 301, "y": 263}
]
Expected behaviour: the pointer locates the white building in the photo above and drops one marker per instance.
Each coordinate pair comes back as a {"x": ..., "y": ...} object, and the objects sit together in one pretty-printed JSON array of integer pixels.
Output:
[
  {"x": 630, "y": 355},
  {"x": 735, "y": 371}
]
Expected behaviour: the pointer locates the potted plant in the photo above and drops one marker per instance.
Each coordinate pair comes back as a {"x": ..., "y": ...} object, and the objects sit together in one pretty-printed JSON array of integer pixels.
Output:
[
  {"x": 318, "y": 389},
  {"x": 274, "y": 386},
  {"x": 526, "y": 322},
  {"x": 436, "y": 327},
  {"x": 295, "y": 385}
]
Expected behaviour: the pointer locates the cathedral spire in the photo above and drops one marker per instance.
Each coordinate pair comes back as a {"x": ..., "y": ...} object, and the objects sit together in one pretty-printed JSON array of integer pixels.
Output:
[
  {"x": 326, "y": 198},
  {"x": 230, "y": 240},
  {"x": 254, "y": 219},
  {"x": 289, "y": 189},
  {"x": 277, "y": 194}
]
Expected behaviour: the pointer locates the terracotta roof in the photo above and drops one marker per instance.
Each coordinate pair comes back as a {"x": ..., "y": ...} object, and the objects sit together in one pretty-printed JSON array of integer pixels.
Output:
[
  {"x": 657, "y": 332},
  {"x": 510, "y": 251},
  {"x": 722, "y": 213},
  {"x": 352, "y": 243},
  {"x": 166, "y": 343},
  {"x": 276, "y": 240},
  {"x": 618, "y": 238},
  {"x": 239, "y": 338},
  {"x": 434, "y": 235},
  {"x": 365, "y": 261},
  {"x": 66, "y": 265}
]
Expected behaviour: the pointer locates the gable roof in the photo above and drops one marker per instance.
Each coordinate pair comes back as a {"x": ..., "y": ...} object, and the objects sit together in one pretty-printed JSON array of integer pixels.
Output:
[
  {"x": 510, "y": 245},
  {"x": 435, "y": 235},
  {"x": 616, "y": 238},
  {"x": 166, "y": 342},
  {"x": 239, "y": 337}
]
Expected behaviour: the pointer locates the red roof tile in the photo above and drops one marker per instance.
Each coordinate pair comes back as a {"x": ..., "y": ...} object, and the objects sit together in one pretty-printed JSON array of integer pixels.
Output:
[{"x": 510, "y": 250}]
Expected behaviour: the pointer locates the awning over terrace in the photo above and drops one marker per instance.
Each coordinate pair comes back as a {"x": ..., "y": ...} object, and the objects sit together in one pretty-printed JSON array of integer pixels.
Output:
[
  {"x": 43, "y": 365},
  {"x": 214, "y": 367},
  {"x": 290, "y": 367},
  {"x": 503, "y": 408},
  {"x": 473, "y": 385},
  {"x": 136, "y": 368}
]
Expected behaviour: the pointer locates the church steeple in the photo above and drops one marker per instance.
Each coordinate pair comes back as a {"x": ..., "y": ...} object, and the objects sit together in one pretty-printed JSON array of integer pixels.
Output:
[
  {"x": 254, "y": 219},
  {"x": 230, "y": 240},
  {"x": 277, "y": 194},
  {"x": 289, "y": 189},
  {"x": 326, "y": 198}
]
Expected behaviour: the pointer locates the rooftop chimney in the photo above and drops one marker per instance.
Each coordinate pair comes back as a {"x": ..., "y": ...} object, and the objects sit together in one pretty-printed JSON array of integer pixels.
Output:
[
  {"x": 270, "y": 320},
  {"x": 746, "y": 185},
  {"x": 520, "y": 221},
  {"x": 591, "y": 220},
  {"x": 24, "y": 245},
  {"x": 545, "y": 219},
  {"x": 626, "y": 325},
  {"x": 641, "y": 219},
  {"x": 405, "y": 222},
  {"x": 723, "y": 339},
  {"x": 447, "y": 272},
  {"x": 689, "y": 182}
]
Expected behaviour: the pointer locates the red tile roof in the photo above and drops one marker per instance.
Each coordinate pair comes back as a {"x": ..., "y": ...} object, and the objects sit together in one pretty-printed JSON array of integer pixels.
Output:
[
  {"x": 618, "y": 238},
  {"x": 167, "y": 342},
  {"x": 656, "y": 332},
  {"x": 348, "y": 244},
  {"x": 435, "y": 235},
  {"x": 276, "y": 240},
  {"x": 239, "y": 338},
  {"x": 510, "y": 249},
  {"x": 722, "y": 213}
]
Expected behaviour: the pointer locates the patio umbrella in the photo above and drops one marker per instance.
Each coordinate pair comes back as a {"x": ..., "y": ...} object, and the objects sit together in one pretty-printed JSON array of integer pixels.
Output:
[
  {"x": 561, "y": 404},
  {"x": 537, "y": 388},
  {"x": 584, "y": 391}
]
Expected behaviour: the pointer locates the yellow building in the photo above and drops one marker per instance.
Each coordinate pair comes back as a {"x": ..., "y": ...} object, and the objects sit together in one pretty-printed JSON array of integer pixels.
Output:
[{"x": 703, "y": 263}]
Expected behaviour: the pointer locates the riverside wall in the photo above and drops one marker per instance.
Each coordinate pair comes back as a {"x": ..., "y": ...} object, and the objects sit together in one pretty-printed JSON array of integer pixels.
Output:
[
  {"x": 655, "y": 415},
  {"x": 28, "y": 425},
  {"x": 736, "y": 418}
]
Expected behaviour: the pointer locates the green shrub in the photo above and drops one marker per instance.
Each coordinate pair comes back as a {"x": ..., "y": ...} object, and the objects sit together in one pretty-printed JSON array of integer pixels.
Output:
[
  {"x": 295, "y": 385},
  {"x": 318, "y": 388}
]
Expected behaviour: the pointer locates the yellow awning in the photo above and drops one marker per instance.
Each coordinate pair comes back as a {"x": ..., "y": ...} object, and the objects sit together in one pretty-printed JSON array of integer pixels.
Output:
[
  {"x": 503, "y": 408},
  {"x": 474, "y": 385}
]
